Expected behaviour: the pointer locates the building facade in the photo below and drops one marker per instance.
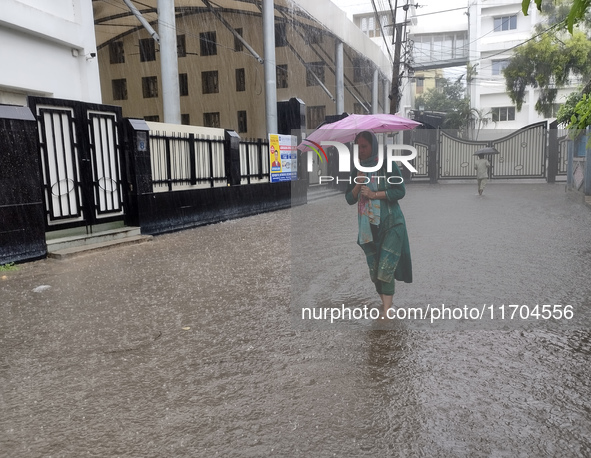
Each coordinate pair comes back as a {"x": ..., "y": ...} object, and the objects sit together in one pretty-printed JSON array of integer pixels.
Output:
[
  {"x": 48, "y": 49},
  {"x": 221, "y": 81},
  {"x": 481, "y": 33},
  {"x": 496, "y": 28}
]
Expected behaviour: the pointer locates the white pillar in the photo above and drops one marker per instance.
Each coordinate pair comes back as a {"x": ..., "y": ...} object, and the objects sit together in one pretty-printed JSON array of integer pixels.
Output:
[
  {"x": 269, "y": 66},
  {"x": 340, "y": 78},
  {"x": 374, "y": 92},
  {"x": 386, "y": 94},
  {"x": 169, "y": 68}
]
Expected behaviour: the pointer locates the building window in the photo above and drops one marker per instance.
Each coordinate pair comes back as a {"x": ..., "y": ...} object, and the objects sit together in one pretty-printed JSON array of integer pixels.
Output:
[
  {"x": 119, "y": 89},
  {"x": 242, "y": 126},
  {"x": 420, "y": 85},
  {"x": 387, "y": 25},
  {"x": 313, "y": 36},
  {"x": 240, "y": 80},
  {"x": 367, "y": 24},
  {"x": 116, "y": 52},
  {"x": 503, "y": 114},
  {"x": 505, "y": 23},
  {"x": 185, "y": 119},
  {"x": 361, "y": 71},
  {"x": 498, "y": 66},
  {"x": 280, "y": 35},
  {"x": 181, "y": 46},
  {"x": 208, "y": 43},
  {"x": 315, "y": 116},
  {"x": 238, "y": 45},
  {"x": 147, "y": 50},
  {"x": 281, "y": 76},
  {"x": 150, "y": 86},
  {"x": 373, "y": 27},
  {"x": 209, "y": 82},
  {"x": 211, "y": 119},
  {"x": 183, "y": 84},
  {"x": 153, "y": 118},
  {"x": 554, "y": 110},
  {"x": 314, "y": 68},
  {"x": 358, "y": 108}
]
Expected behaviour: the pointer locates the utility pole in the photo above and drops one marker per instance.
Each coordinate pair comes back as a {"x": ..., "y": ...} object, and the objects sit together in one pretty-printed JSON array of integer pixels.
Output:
[
  {"x": 397, "y": 41},
  {"x": 395, "y": 92}
]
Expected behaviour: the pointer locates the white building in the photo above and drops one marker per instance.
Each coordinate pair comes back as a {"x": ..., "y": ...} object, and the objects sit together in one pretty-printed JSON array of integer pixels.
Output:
[
  {"x": 496, "y": 28},
  {"x": 47, "y": 49},
  {"x": 488, "y": 31}
]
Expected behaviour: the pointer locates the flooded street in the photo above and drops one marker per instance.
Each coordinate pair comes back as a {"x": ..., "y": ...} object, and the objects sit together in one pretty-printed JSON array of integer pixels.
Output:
[{"x": 193, "y": 345}]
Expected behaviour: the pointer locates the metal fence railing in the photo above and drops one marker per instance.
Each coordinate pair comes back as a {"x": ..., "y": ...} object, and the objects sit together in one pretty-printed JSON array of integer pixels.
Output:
[
  {"x": 181, "y": 160},
  {"x": 254, "y": 161},
  {"x": 198, "y": 159}
]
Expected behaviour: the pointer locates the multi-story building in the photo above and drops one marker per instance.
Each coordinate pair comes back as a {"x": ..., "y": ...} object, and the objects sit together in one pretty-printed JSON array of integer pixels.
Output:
[
  {"x": 482, "y": 33},
  {"x": 221, "y": 79},
  {"x": 496, "y": 28}
]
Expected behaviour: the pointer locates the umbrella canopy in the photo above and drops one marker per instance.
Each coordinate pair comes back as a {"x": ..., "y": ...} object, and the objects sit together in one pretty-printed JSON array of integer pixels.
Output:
[
  {"x": 347, "y": 128},
  {"x": 487, "y": 150}
]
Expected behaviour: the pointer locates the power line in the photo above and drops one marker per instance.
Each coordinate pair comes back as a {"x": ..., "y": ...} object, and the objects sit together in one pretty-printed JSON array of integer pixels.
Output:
[{"x": 438, "y": 12}]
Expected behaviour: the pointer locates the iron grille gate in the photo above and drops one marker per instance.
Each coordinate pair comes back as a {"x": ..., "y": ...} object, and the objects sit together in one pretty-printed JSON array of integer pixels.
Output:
[
  {"x": 80, "y": 162},
  {"x": 522, "y": 154}
]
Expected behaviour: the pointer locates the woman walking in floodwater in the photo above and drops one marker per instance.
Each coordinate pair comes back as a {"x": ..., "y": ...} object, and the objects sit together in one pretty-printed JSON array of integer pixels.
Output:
[{"x": 382, "y": 228}]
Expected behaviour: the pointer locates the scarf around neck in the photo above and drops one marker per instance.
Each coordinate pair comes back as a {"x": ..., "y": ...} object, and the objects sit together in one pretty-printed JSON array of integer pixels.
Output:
[{"x": 369, "y": 209}]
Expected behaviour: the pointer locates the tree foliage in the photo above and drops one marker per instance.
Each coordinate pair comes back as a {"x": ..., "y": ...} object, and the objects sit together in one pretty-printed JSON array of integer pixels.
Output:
[
  {"x": 447, "y": 96},
  {"x": 576, "y": 111},
  {"x": 567, "y": 109},
  {"x": 450, "y": 98},
  {"x": 576, "y": 14},
  {"x": 547, "y": 63},
  {"x": 581, "y": 114}
]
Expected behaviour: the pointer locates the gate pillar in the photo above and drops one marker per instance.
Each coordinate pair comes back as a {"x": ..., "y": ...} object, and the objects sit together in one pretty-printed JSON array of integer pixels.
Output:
[
  {"x": 433, "y": 166},
  {"x": 138, "y": 166},
  {"x": 553, "y": 152},
  {"x": 22, "y": 235}
]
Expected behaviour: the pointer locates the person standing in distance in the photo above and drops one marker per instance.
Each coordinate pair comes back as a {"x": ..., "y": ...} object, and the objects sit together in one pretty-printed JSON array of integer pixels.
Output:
[{"x": 481, "y": 166}]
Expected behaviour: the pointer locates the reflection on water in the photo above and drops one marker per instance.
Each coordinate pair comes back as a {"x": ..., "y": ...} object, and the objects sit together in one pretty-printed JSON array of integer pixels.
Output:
[{"x": 187, "y": 347}]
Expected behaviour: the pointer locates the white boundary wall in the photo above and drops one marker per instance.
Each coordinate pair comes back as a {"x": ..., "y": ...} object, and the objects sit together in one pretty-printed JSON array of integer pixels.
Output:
[{"x": 45, "y": 50}]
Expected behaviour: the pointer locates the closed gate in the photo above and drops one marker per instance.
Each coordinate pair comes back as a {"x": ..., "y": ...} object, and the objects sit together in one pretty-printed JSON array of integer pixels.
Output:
[
  {"x": 80, "y": 162},
  {"x": 563, "y": 143},
  {"x": 423, "y": 140},
  {"x": 521, "y": 154},
  {"x": 457, "y": 156}
]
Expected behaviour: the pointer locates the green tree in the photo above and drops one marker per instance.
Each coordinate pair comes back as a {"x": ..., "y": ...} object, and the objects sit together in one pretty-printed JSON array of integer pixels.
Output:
[
  {"x": 547, "y": 63},
  {"x": 577, "y": 12},
  {"x": 449, "y": 97},
  {"x": 567, "y": 110}
]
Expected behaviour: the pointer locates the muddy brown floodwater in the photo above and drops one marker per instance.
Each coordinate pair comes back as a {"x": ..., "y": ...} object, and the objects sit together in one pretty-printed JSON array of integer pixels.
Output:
[{"x": 193, "y": 345}]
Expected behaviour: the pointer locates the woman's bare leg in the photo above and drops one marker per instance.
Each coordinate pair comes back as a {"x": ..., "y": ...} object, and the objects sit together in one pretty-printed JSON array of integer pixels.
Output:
[{"x": 386, "y": 303}]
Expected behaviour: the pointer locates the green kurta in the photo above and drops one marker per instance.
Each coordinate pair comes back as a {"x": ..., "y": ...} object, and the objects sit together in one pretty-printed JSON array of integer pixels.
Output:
[{"x": 388, "y": 257}]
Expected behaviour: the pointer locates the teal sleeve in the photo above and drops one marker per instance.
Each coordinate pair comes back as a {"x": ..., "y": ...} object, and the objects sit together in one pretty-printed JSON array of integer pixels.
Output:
[
  {"x": 351, "y": 199},
  {"x": 395, "y": 191}
]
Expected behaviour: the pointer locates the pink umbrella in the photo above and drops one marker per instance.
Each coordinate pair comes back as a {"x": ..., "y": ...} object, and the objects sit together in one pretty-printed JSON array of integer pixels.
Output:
[{"x": 347, "y": 128}]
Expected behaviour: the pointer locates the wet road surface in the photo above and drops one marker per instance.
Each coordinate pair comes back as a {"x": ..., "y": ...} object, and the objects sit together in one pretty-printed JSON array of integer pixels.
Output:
[{"x": 192, "y": 345}]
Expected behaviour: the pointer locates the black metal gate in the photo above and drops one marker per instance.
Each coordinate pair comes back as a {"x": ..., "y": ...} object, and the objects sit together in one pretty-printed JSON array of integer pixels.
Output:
[{"x": 81, "y": 165}]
